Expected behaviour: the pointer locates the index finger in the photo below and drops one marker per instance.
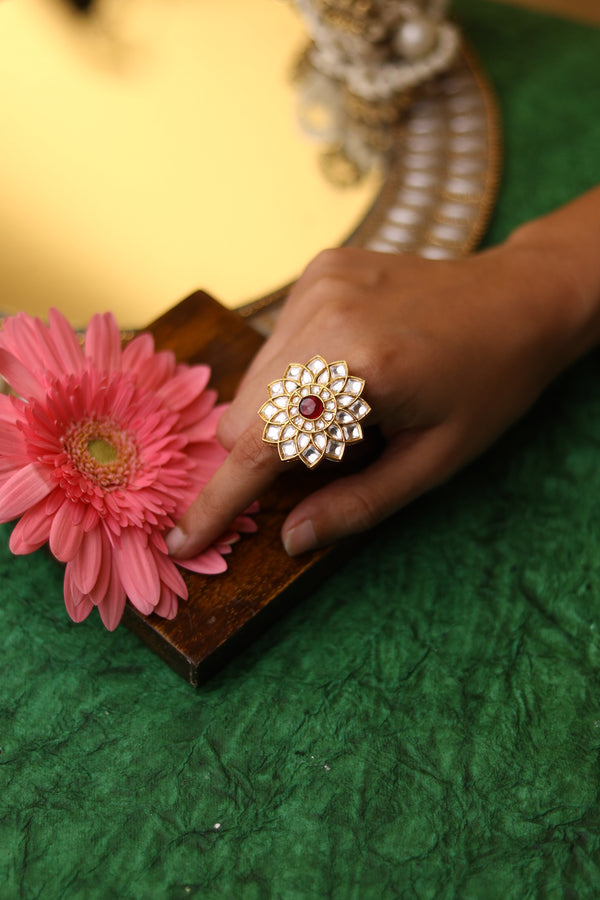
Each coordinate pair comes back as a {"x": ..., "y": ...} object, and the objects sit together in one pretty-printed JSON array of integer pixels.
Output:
[{"x": 246, "y": 473}]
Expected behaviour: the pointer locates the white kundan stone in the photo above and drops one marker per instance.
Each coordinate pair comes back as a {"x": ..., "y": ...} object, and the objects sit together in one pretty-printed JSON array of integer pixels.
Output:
[
  {"x": 359, "y": 409},
  {"x": 354, "y": 385},
  {"x": 272, "y": 433},
  {"x": 334, "y": 450},
  {"x": 311, "y": 455},
  {"x": 288, "y": 449},
  {"x": 352, "y": 432},
  {"x": 338, "y": 370},
  {"x": 269, "y": 410},
  {"x": 276, "y": 388}
]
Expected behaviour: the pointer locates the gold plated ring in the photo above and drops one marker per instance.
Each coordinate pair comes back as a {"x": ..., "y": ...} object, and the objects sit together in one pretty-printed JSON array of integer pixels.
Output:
[{"x": 314, "y": 411}]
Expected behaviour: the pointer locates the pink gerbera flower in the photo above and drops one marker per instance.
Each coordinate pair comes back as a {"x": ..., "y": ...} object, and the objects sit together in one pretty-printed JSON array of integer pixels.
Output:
[{"x": 102, "y": 449}]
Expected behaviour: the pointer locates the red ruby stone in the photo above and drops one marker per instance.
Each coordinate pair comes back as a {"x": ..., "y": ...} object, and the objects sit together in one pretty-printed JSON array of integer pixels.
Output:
[{"x": 310, "y": 407}]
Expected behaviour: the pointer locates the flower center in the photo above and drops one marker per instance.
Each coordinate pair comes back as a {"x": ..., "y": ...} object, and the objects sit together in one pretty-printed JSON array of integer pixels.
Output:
[
  {"x": 102, "y": 452},
  {"x": 310, "y": 407}
]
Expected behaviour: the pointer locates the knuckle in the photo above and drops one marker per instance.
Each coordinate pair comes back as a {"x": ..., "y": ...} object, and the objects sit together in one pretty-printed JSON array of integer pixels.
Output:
[
  {"x": 376, "y": 275},
  {"x": 326, "y": 260},
  {"x": 343, "y": 272},
  {"x": 384, "y": 359}
]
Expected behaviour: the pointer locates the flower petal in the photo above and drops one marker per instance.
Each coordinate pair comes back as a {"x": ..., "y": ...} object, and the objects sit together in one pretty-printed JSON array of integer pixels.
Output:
[
  {"x": 8, "y": 413},
  {"x": 102, "y": 586},
  {"x": 137, "y": 351},
  {"x": 31, "y": 531},
  {"x": 19, "y": 377},
  {"x": 103, "y": 342},
  {"x": 209, "y": 562},
  {"x": 65, "y": 535},
  {"x": 112, "y": 606},
  {"x": 65, "y": 341},
  {"x": 12, "y": 445},
  {"x": 167, "y": 605},
  {"x": 206, "y": 428},
  {"x": 28, "y": 338},
  {"x": 169, "y": 574},
  {"x": 53, "y": 501},
  {"x": 46, "y": 349},
  {"x": 224, "y": 548},
  {"x": 156, "y": 370},
  {"x": 85, "y": 566},
  {"x": 200, "y": 410},
  {"x": 245, "y": 524},
  {"x": 79, "y": 606},
  {"x": 17, "y": 338},
  {"x": 22, "y": 490},
  {"x": 90, "y": 519},
  {"x": 186, "y": 386},
  {"x": 137, "y": 569}
]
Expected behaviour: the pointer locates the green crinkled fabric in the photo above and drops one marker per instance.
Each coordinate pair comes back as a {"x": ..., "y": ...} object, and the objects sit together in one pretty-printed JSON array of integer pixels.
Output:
[{"x": 425, "y": 725}]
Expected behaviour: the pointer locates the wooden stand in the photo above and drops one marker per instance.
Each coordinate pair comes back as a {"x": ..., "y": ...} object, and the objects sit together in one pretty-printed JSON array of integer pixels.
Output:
[{"x": 225, "y": 611}]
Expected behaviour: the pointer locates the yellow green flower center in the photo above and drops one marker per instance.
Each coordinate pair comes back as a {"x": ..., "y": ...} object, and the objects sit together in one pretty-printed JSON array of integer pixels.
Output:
[{"x": 102, "y": 451}]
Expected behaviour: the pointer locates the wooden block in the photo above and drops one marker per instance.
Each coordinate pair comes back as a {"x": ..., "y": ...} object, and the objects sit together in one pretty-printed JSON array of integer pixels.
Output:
[{"x": 225, "y": 611}]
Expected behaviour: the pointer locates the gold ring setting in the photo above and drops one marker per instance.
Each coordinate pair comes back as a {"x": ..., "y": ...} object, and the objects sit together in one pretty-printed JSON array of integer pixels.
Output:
[{"x": 314, "y": 411}]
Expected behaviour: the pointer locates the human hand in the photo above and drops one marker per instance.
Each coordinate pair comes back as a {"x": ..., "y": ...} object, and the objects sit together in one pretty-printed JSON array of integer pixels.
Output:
[{"x": 452, "y": 352}]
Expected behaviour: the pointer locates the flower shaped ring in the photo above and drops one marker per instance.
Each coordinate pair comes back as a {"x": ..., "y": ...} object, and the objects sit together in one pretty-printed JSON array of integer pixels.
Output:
[{"x": 314, "y": 411}]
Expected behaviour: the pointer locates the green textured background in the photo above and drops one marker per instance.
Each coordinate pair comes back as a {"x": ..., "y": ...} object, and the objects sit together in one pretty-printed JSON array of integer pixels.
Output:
[{"x": 426, "y": 725}]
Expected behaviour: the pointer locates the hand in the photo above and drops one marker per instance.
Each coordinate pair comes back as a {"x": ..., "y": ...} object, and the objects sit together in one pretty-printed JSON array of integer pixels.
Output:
[{"x": 452, "y": 353}]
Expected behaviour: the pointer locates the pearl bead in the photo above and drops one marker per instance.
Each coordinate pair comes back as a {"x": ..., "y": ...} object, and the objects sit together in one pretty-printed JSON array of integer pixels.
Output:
[{"x": 415, "y": 38}]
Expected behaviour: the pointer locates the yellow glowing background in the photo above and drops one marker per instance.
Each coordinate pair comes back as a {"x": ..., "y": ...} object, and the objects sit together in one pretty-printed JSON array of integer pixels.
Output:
[{"x": 153, "y": 151}]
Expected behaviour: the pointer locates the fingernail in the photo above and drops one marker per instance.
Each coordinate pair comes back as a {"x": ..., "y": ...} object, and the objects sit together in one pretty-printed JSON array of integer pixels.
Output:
[
  {"x": 300, "y": 539},
  {"x": 176, "y": 541}
]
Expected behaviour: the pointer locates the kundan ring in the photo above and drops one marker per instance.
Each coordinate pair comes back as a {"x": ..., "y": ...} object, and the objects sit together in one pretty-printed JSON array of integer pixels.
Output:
[{"x": 314, "y": 411}]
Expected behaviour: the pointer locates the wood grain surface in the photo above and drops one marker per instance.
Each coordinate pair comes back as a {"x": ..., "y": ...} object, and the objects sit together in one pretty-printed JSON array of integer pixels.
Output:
[{"x": 225, "y": 611}]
